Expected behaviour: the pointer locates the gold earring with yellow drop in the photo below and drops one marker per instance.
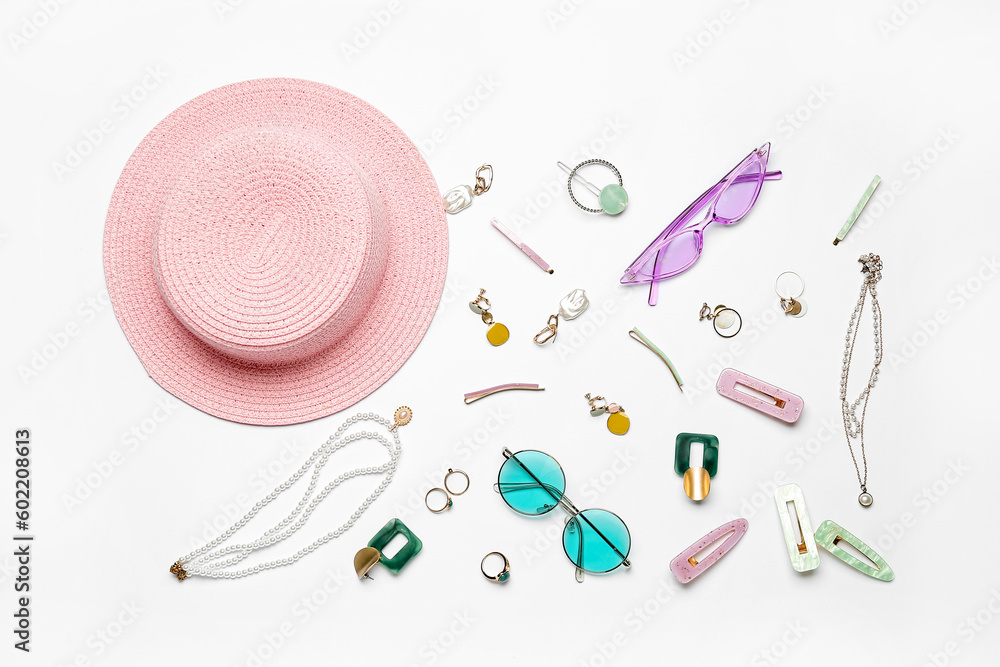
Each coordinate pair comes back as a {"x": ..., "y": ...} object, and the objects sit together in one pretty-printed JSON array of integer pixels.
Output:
[
  {"x": 618, "y": 421},
  {"x": 497, "y": 334}
]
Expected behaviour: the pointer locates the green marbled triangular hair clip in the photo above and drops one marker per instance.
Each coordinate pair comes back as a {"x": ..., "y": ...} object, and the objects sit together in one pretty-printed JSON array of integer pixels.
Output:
[{"x": 830, "y": 535}]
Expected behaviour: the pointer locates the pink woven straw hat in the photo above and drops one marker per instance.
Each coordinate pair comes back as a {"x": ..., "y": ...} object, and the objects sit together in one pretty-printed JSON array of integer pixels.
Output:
[{"x": 275, "y": 250}]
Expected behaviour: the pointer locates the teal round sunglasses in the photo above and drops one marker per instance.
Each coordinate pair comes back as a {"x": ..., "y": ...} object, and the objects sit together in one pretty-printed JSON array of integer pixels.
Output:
[{"x": 533, "y": 483}]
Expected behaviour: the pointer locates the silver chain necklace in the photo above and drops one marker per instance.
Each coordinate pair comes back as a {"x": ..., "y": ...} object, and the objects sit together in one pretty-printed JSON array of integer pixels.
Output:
[
  {"x": 871, "y": 266},
  {"x": 205, "y": 561}
]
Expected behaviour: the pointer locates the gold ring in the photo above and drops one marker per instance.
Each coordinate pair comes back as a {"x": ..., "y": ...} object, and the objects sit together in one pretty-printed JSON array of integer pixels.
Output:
[
  {"x": 456, "y": 472},
  {"x": 501, "y": 576},
  {"x": 447, "y": 504}
]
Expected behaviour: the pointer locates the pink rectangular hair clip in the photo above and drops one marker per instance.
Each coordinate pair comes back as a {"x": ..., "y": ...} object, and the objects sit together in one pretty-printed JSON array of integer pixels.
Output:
[{"x": 776, "y": 402}]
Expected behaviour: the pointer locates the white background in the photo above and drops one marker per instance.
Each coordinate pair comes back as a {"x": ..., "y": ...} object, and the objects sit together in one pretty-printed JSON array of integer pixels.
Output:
[{"x": 674, "y": 96}]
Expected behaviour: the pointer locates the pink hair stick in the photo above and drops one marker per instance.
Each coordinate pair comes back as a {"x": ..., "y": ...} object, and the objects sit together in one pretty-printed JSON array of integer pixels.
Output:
[{"x": 522, "y": 246}]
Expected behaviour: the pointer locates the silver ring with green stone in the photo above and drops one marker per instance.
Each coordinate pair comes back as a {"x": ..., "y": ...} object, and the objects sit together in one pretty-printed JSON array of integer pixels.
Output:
[
  {"x": 612, "y": 197},
  {"x": 500, "y": 577}
]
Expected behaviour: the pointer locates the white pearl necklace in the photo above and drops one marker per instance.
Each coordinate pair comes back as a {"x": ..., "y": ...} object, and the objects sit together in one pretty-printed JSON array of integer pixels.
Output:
[
  {"x": 854, "y": 427},
  {"x": 205, "y": 561}
]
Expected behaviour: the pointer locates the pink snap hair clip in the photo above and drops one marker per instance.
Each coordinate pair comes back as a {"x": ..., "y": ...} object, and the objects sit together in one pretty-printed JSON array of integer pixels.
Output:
[{"x": 686, "y": 568}]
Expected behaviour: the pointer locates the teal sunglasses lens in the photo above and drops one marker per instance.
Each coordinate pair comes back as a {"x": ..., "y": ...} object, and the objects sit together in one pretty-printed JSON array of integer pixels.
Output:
[
  {"x": 531, "y": 482},
  {"x": 597, "y": 540}
]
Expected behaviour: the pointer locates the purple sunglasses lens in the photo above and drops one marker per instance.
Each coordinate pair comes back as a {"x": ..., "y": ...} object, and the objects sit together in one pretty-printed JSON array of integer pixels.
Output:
[
  {"x": 742, "y": 192},
  {"x": 677, "y": 255}
]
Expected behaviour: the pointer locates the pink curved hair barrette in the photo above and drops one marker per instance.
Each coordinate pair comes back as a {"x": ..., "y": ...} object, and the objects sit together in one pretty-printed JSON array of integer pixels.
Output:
[{"x": 474, "y": 396}]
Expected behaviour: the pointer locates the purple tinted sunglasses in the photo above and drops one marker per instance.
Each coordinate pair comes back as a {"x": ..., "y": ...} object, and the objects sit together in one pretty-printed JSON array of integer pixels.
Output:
[{"x": 679, "y": 246}]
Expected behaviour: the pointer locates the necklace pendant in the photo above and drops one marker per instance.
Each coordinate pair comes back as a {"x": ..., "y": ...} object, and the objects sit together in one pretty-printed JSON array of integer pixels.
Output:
[
  {"x": 865, "y": 499},
  {"x": 402, "y": 417}
]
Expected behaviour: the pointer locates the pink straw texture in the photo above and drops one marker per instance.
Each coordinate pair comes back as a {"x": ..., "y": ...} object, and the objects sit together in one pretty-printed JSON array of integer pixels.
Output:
[{"x": 275, "y": 250}]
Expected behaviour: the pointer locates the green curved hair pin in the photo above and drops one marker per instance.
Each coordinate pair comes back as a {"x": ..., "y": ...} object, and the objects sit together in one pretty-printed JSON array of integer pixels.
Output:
[{"x": 637, "y": 335}]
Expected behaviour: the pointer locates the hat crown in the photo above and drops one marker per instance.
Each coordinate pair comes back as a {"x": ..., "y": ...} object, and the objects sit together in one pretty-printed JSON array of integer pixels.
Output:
[{"x": 270, "y": 245}]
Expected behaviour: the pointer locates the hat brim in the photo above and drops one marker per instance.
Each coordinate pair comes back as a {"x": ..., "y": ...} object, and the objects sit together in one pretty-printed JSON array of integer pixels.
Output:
[{"x": 387, "y": 334}]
